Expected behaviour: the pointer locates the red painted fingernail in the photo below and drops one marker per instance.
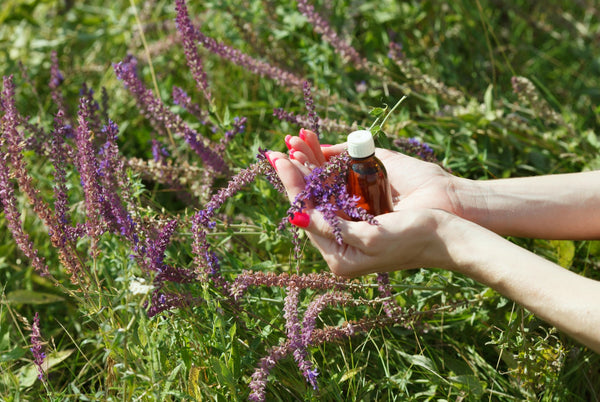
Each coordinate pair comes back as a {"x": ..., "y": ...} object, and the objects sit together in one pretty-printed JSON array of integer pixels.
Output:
[
  {"x": 287, "y": 141},
  {"x": 271, "y": 159},
  {"x": 300, "y": 219},
  {"x": 302, "y": 134},
  {"x": 291, "y": 153},
  {"x": 325, "y": 145}
]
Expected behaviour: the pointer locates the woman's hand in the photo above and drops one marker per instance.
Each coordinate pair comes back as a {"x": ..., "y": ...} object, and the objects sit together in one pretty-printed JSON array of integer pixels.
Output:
[{"x": 406, "y": 238}]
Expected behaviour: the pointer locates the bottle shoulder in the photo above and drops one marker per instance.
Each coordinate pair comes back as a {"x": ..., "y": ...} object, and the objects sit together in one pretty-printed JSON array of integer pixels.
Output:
[{"x": 367, "y": 165}]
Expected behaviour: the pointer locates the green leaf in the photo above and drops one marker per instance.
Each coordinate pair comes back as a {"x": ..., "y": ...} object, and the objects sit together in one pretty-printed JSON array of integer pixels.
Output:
[
  {"x": 14, "y": 354},
  {"x": 377, "y": 111},
  {"x": 487, "y": 98},
  {"x": 32, "y": 297},
  {"x": 29, "y": 373},
  {"x": 351, "y": 373},
  {"x": 469, "y": 383},
  {"x": 564, "y": 251}
]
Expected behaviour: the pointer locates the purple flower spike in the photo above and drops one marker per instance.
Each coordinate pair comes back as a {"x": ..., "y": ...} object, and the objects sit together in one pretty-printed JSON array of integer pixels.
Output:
[
  {"x": 186, "y": 30},
  {"x": 87, "y": 164},
  {"x": 181, "y": 98},
  {"x": 310, "y": 108},
  {"x": 156, "y": 249},
  {"x": 322, "y": 27},
  {"x": 12, "y": 151},
  {"x": 56, "y": 79},
  {"x": 37, "y": 347},
  {"x": 260, "y": 375},
  {"x": 293, "y": 328}
]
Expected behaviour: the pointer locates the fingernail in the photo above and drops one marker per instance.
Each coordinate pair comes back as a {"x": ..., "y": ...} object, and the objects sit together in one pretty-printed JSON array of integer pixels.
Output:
[
  {"x": 287, "y": 141},
  {"x": 271, "y": 159},
  {"x": 302, "y": 134},
  {"x": 300, "y": 219},
  {"x": 325, "y": 145},
  {"x": 291, "y": 153}
]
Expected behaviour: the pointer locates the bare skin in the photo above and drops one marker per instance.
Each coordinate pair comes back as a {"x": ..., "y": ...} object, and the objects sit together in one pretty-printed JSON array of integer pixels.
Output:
[{"x": 443, "y": 221}]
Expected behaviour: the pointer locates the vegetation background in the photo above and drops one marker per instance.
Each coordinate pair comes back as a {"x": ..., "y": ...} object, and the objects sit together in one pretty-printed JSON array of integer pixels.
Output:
[{"x": 468, "y": 343}]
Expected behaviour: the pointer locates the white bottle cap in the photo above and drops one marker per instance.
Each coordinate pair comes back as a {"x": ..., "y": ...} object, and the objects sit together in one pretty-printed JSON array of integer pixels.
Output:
[{"x": 360, "y": 144}]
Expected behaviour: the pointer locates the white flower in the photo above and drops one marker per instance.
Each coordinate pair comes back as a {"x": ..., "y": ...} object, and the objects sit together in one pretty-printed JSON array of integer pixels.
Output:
[{"x": 138, "y": 287}]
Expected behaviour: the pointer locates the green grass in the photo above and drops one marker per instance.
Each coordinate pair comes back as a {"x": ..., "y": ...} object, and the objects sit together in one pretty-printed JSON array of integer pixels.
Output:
[{"x": 473, "y": 345}]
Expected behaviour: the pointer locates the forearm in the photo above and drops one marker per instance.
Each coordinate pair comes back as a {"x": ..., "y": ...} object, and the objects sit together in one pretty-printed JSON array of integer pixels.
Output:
[
  {"x": 560, "y": 297},
  {"x": 565, "y": 206}
]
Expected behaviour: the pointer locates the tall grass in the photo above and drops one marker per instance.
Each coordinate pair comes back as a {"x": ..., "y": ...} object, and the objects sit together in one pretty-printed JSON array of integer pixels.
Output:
[{"x": 171, "y": 280}]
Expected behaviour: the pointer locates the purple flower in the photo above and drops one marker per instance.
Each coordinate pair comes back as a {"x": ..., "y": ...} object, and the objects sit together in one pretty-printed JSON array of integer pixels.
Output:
[
  {"x": 239, "y": 58},
  {"x": 37, "y": 347},
  {"x": 161, "y": 301},
  {"x": 186, "y": 30},
  {"x": 56, "y": 79},
  {"x": 156, "y": 248},
  {"x": 321, "y": 26},
  {"x": 11, "y": 151},
  {"x": 259, "y": 377},
  {"x": 13, "y": 219},
  {"x": 311, "y": 376},
  {"x": 310, "y": 108},
  {"x": 283, "y": 115},
  {"x": 235, "y": 184},
  {"x": 269, "y": 171},
  {"x": 58, "y": 157},
  {"x": 293, "y": 329},
  {"x": 87, "y": 164},
  {"x": 395, "y": 51},
  {"x": 414, "y": 147},
  {"x": 181, "y": 98},
  {"x": 305, "y": 121},
  {"x": 113, "y": 180},
  {"x": 159, "y": 152},
  {"x": 238, "y": 127},
  {"x": 155, "y": 110},
  {"x": 389, "y": 305},
  {"x": 314, "y": 309},
  {"x": 304, "y": 281},
  {"x": 326, "y": 189}
]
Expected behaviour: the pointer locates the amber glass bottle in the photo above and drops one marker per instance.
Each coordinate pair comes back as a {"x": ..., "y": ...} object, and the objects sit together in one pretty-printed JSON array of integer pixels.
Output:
[{"x": 367, "y": 177}]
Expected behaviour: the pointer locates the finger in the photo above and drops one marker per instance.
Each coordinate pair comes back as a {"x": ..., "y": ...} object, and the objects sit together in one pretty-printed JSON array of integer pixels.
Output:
[
  {"x": 306, "y": 168},
  {"x": 312, "y": 140},
  {"x": 355, "y": 234},
  {"x": 291, "y": 176},
  {"x": 298, "y": 145},
  {"x": 333, "y": 150}
]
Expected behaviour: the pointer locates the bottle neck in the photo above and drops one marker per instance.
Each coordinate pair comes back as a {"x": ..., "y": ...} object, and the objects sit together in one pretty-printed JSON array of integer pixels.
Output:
[{"x": 362, "y": 159}]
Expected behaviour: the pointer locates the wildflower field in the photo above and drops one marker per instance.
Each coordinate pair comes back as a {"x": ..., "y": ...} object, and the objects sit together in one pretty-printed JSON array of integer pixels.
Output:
[{"x": 145, "y": 249}]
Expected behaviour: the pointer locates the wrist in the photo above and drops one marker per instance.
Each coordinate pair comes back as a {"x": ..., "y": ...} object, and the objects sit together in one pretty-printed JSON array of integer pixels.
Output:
[
  {"x": 464, "y": 245},
  {"x": 469, "y": 200},
  {"x": 450, "y": 241}
]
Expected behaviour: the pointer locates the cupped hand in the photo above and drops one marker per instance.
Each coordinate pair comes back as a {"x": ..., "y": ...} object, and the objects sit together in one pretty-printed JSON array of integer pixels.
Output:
[{"x": 403, "y": 239}]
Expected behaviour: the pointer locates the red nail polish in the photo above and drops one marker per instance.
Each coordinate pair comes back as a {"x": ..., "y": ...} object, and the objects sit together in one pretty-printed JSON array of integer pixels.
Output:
[
  {"x": 325, "y": 145},
  {"x": 287, "y": 141},
  {"x": 300, "y": 219},
  {"x": 271, "y": 159},
  {"x": 292, "y": 153},
  {"x": 302, "y": 134}
]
